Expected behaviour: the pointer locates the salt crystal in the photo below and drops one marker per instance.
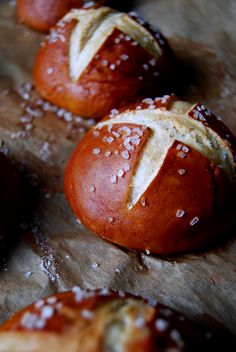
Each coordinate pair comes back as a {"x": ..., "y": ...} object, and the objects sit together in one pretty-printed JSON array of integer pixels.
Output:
[{"x": 96, "y": 151}]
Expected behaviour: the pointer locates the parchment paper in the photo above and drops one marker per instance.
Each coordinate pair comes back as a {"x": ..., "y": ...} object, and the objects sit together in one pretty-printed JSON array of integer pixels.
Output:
[{"x": 53, "y": 251}]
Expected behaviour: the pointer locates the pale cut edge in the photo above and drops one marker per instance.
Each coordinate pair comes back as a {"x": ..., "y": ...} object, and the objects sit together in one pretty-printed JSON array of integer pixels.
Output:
[
  {"x": 93, "y": 29},
  {"x": 116, "y": 320},
  {"x": 167, "y": 127}
]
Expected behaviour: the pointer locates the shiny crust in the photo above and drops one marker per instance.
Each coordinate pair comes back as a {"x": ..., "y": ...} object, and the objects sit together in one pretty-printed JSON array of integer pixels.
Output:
[
  {"x": 120, "y": 70},
  {"x": 167, "y": 214},
  {"x": 85, "y": 321},
  {"x": 9, "y": 194},
  {"x": 44, "y": 14}
]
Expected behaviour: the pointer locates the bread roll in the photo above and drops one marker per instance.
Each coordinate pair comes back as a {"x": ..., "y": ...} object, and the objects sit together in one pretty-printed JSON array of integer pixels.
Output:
[
  {"x": 98, "y": 59},
  {"x": 159, "y": 176},
  {"x": 85, "y": 321}
]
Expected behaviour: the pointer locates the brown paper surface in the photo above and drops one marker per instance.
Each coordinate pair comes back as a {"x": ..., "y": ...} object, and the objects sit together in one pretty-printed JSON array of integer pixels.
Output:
[{"x": 54, "y": 252}]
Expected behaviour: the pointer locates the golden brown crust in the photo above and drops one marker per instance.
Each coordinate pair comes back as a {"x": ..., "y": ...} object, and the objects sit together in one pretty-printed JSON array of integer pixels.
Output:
[
  {"x": 119, "y": 71},
  {"x": 44, "y": 14},
  {"x": 104, "y": 184},
  {"x": 9, "y": 193},
  {"x": 86, "y": 321}
]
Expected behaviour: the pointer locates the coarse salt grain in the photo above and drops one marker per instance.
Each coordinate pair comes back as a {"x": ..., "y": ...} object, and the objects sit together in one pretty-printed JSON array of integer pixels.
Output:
[
  {"x": 95, "y": 265},
  {"x": 139, "y": 322},
  {"x": 114, "y": 179},
  {"x": 180, "y": 213},
  {"x": 161, "y": 325},
  {"x": 194, "y": 221},
  {"x": 125, "y": 155},
  {"x": 120, "y": 173},
  {"x": 112, "y": 67},
  {"x": 182, "y": 171},
  {"x": 96, "y": 133},
  {"x": 92, "y": 188},
  {"x": 110, "y": 219},
  {"x": 39, "y": 304},
  {"x": 87, "y": 314},
  {"x": 96, "y": 151},
  {"x": 50, "y": 70},
  {"x": 51, "y": 300},
  {"x": 47, "y": 312},
  {"x": 179, "y": 146},
  {"x": 28, "y": 274},
  {"x": 107, "y": 153},
  {"x": 181, "y": 154},
  {"x": 185, "y": 149},
  {"x": 110, "y": 139},
  {"x": 127, "y": 167},
  {"x": 124, "y": 57},
  {"x": 143, "y": 201}
]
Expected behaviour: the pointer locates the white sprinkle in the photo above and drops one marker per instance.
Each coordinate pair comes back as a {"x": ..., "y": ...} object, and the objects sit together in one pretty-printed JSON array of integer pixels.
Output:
[
  {"x": 124, "y": 57},
  {"x": 143, "y": 201},
  {"x": 181, "y": 154},
  {"x": 147, "y": 251},
  {"x": 140, "y": 78},
  {"x": 50, "y": 70},
  {"x": 127, "y": 167},
  {"x": 47, "y": 312},
  {"x": 121, "y": 173},
  {"x": 110, "y": 219},
  {"x": 51, "y": 300},
  {"x": 109, "y": 127},
  {"x": 39, "y": 304},
  {"x": 125, "y": 155},
  {"x": 96, "y": 151},
  {"x": 175, "y": 336},
  {"x": 179, "y": 146},
  {"x": 180, "y": 213},
  {"x": 95, "y": 265},
  {"x": 127, "y": 130},
  {"x": 28, "y": 274},
  {"x": 161, "y": 325},
  {"x": 105, "y": 63},
  {"x": 153, "y": 62},
  {"x": 117, "y": 270},
  {"x": 116, "y": 134},
  {"x": 181, "y": 171},
  {"x": 92, "y": 189},
  {"x": 112, "y": 67},
  {"x": 194, "y": 221},
  {"x": 68, "y": 116},
  {"x": 114, "y": 112},
  {"x": 114, "y": 179},
  {"x": 110, "y": 139},
  {"x": 96, "y": 133},
  {"x": 107, "y": 153},
  {"x": 87, "y": 314},
  {"x": 127, "y": 38},
  {"x": 146, "y": 67},
  {"x": 185, "y": 149},
  {"x": 117, "y": 40},
  {"x": 139, "y": 322}
]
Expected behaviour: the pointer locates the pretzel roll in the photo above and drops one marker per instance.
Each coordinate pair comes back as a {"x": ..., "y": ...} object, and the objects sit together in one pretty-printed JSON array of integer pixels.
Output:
[
  {"x": 9, "y": 194},
  {"x": 97, "y": 59},
  {"x": 44, "y": 14},
  {"x": 86, "y": 321},
  {"x": 159, "y": 176}
]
